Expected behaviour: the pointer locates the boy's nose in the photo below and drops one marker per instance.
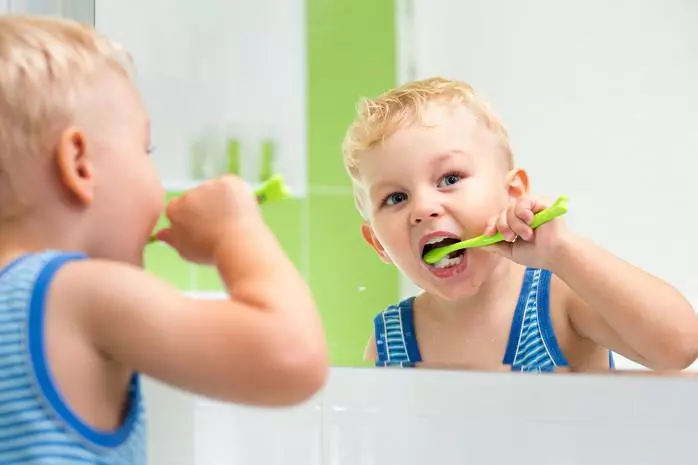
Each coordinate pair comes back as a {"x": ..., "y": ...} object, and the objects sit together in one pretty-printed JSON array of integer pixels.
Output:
[{"x": 426, "y": 212}]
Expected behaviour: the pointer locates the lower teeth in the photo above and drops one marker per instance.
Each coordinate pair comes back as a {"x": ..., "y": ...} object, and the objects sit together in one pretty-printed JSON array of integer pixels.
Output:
[{"x": 448, "y": 262}]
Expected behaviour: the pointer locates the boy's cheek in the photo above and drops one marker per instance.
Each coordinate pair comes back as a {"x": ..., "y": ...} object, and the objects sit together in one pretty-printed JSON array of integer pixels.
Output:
[{"x": 475, "y": 222}]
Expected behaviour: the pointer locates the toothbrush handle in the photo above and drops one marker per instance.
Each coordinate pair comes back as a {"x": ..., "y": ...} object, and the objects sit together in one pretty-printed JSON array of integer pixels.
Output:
[{"x": 557, "y": 209}]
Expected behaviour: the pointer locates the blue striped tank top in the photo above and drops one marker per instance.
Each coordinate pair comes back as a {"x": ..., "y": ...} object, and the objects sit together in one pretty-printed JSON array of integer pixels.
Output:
[
  {"x": 532, "y": 344},
  {"x": 36, "y": 426}
]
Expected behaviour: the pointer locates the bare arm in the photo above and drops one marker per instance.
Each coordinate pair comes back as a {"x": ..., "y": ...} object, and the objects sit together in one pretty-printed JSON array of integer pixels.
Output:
[
  {"x": 370, "y": 353},
  {"x": 625, "y": 309},
  {"x": 265, "y": 345}
]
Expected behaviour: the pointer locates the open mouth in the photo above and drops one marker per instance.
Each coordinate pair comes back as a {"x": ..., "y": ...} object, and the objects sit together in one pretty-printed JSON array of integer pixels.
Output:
[{"x": 450, "y": 260}]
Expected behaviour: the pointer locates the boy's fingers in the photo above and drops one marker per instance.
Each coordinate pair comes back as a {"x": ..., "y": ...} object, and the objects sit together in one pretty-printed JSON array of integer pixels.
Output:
[
  {"x": 540, "y": 205},
  {"x": 520, "y": 228},
  {"x": 519, "y": 220},
  {"x": 491, "y": 227},
  {"x": 524, "y": 211},
  {"x": 504, "y": 228}
]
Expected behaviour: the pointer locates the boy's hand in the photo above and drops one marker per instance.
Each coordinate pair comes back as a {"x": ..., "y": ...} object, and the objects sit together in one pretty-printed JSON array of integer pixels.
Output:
[
  {"x": 535, "y": 248},
  {"x": 203, "y": 218}
]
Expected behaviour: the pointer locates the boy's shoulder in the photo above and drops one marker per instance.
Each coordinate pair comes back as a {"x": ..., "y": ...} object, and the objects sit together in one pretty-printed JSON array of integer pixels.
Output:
[
  {"x": 47, "y": 255},
  {"x": 38, "y": 265},
  {"x": 392, "y": 321},
  {"x": 397, "y": 310}
]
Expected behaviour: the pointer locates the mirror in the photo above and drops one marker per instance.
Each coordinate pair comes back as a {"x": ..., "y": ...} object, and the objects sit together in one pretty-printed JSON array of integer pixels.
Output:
[
  {"x": 597, "y": 99},
  {"x": 585, "y": 92}
]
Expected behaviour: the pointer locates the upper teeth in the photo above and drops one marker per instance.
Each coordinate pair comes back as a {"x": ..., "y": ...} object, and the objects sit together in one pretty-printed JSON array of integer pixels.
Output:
[{"x": 436, "y": 240}]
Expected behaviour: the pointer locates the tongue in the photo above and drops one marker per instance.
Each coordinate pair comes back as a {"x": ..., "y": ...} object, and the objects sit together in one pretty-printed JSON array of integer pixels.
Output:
[{"x": 455, "y": 254}]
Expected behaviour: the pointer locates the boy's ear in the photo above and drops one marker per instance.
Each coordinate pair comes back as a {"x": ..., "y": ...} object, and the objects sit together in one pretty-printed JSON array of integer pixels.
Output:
[
  {"x": 371, "y": 240},
  {"x": 75, "y": 169},
  {"x": 517, "y": 182}
]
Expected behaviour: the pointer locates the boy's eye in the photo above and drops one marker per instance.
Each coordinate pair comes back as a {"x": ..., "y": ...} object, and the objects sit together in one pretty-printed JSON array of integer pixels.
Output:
[
  {"x": 395, "y": 198},
  {"x": 449, "y": 180}
]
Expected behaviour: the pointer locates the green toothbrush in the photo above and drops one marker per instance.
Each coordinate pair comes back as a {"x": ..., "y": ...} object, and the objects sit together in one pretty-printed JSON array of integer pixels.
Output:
[
  {"x": 558, "y": 208},
  {"x": 273, "y": 189}
]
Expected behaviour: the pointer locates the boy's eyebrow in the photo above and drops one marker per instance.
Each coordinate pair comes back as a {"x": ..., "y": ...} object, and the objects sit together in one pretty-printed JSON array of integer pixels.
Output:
[
  {"x": 439, "y": 159},
  {"x": 443, "y": 156},
  {"x": 378, "y": 187}
]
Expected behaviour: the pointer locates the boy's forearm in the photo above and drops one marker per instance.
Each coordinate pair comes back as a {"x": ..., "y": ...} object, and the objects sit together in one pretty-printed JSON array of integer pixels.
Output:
[
  {"x": 255, "y": 269},
  {"x": 649, "y": 315},
  {"x": 257, "y": 273}
]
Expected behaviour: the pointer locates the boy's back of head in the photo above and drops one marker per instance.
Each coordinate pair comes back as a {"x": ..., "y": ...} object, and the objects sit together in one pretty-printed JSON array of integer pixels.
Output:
[
  {"x": 74, "y": 139},
  {"x": 44, "y": 65}
]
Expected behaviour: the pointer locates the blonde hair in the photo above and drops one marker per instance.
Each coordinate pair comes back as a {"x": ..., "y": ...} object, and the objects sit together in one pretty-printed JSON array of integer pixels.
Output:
[
  {"x": 381, "y": 117},
  {"x": 45, "y": 63}
]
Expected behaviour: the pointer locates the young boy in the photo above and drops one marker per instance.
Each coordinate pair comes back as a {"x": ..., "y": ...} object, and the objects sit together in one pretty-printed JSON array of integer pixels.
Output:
[
  {"x": 431, "y": 165},
  {"x": 79, "y": 318}
]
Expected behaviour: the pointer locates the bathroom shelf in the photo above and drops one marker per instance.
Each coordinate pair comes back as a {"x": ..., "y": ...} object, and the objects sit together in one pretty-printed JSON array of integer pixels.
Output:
[{"x": 181, "y": 185}]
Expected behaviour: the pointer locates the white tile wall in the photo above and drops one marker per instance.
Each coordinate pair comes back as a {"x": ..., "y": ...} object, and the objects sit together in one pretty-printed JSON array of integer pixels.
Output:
[
  {"x": 372, "y": 416},
  {"x": 224, "y": 61}
]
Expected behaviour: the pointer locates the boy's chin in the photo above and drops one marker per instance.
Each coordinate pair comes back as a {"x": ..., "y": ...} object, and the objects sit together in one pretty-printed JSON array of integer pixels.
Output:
[
  {"x": 446, "y": 289},
  {"x": 453, "y": 294}
]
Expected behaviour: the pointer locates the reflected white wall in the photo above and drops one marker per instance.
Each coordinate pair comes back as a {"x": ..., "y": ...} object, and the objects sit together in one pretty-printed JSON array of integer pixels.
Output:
[{"x": 600, "y": 102}]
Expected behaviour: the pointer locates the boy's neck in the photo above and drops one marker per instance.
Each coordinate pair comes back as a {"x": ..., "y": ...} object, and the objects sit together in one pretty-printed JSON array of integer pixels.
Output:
[
  {"x": 497, "y": 292},
  {"x": 19, "y": 238}
]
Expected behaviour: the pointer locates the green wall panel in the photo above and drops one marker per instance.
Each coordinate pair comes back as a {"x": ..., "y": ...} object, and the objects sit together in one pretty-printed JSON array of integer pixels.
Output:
[
  {"x": 351, "y": 54},
  {"x": 349, "y": 281}
]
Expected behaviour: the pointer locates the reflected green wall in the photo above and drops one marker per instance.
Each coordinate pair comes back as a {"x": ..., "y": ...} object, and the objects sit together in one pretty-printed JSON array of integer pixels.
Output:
[{"x": 351, "y": 53}]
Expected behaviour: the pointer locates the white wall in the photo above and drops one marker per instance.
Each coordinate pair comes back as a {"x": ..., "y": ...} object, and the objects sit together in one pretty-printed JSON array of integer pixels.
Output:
[
  {"x": 599, "y": 98},
  {"x": 214, "y": 70}
]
